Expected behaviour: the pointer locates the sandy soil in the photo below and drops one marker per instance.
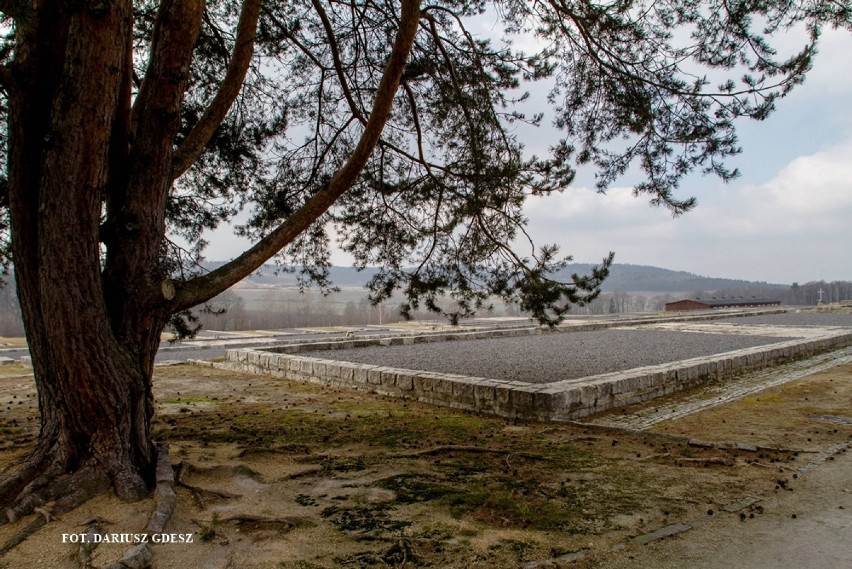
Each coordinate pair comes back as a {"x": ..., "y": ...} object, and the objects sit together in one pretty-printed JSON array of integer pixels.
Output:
[{"x": 282, "y": 475}]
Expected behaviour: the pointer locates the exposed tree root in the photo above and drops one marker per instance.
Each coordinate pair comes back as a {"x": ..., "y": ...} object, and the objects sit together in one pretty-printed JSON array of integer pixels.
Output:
[
  {"x": 66, "y": 493},
  {"x": 779, "y": 467},
  {"x": 45, "y": 489},
  {"x": 655, "y": 456},
  {"x": 48, "y": 517},
  {"x": 303, "y": 473},
  {"x": 468, "y": 449},
  {"x": 190, "y": 469},
  {"x": 288, "y": 449},
  {"x": 141, "y": 555},
  {"x": 251, "y": 523},
  {"x": 22, "y": 536},
  {"x": 705, "y": 461},
  {"x": 28, "y": 474},
  {"x": 202, "y": 495}
]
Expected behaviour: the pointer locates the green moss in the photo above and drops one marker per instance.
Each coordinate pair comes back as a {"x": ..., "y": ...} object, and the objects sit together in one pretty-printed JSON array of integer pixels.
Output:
[
  {"x": 363, "y": 519},
  {"x": 15, "y": 369},
  {"x": 412, "y": 488},
  {"x": 523, "y": 487}
]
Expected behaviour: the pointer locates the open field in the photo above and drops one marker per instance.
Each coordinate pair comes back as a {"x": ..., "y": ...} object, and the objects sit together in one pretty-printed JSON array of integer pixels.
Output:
[
  {"x": 282, "y": 475},
  {"x": 17, "y": 342}
]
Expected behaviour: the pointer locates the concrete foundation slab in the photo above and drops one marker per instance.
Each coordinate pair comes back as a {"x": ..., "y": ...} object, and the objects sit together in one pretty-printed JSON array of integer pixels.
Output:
[{"x": 554, "y": 399}]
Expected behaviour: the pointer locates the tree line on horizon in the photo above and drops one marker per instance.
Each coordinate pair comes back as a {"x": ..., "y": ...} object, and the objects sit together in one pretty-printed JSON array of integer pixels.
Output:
[{"x": 231, "y": 311}]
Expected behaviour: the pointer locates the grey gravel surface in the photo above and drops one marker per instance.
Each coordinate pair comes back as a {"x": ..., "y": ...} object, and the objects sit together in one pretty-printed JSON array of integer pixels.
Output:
[
  {"x": 191, "y": 354},
  {"x": 182, "y": 352},
  {"x": 550, "y": 357},
  {"x": 795, "y": 319}
]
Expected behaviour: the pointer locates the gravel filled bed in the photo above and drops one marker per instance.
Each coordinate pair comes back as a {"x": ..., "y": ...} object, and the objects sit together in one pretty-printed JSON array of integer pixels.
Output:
[
  {"x": 796, "y": 319},
  {"x": 550, "y": 357}
]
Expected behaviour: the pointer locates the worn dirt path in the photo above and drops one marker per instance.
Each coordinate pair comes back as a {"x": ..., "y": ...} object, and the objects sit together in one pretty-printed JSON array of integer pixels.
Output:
[{"x": 809, "y": 528}]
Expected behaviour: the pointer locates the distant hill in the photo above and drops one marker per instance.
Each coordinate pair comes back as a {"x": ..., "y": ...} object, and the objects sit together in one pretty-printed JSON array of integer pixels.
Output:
[
  {"x": 622, "y": 278},
  {"x": 644, "y": 278}
]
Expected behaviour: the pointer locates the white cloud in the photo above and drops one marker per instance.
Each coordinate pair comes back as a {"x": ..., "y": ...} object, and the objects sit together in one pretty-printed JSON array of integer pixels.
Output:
[
  {"x": 831, "y": 76},
  {"x": 816, "y": 185},
  {"x": 794, "y": 227}
]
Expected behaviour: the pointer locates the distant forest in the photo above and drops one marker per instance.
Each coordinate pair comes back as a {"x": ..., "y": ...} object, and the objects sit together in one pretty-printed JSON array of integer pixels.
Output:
[{"x": 270, "y": 301}]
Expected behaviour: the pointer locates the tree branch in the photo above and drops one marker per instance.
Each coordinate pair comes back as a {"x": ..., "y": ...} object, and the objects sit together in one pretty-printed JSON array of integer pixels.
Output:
[
  {"x": 171, "y": 43},
  {"x": 136, "y": 209},
  {"x": 293, "y": 39},
  {"x": 207, "y": 286},
  {"x": 193, "y": 145},
  {"x": 338, "y": 64}
]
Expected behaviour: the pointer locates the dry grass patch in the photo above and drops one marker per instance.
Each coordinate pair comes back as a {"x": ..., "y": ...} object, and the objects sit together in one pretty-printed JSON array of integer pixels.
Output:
[{"x": 805, "y": 414}]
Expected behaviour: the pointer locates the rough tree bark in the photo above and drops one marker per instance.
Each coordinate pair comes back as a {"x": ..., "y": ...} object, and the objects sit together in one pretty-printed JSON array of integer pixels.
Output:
[
  {"x": 90, "y": 170},
  {"x": 92, "y": 354}
]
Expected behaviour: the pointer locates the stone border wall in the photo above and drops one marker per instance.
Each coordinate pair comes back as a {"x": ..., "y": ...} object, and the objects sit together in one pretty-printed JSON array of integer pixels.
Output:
[{"x": 563, "y": 400}]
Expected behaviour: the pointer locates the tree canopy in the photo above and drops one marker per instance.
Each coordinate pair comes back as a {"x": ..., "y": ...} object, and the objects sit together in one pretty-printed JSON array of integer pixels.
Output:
[{"x": 279, "y": 95}]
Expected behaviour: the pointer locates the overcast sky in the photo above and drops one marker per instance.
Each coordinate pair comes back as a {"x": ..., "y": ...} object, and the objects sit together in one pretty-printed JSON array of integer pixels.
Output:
[{"x": 788, "y": 218}]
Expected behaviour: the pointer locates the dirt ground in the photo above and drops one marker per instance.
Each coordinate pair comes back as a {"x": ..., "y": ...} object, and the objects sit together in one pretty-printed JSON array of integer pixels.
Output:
[
  {"x": 275, "y": 474},
  {"x": 16, "y": 342}
]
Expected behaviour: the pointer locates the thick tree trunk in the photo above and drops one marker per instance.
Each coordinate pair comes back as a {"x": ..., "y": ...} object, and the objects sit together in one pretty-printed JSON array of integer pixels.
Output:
[
  {"x": 95, "y": 398},
  {"x": 95, "y": 404},
  {"x": 93, "y": 341}
]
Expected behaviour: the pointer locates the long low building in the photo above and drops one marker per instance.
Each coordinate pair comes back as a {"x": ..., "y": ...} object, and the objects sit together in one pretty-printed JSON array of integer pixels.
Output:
[{"x": 708, "y": 303}]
